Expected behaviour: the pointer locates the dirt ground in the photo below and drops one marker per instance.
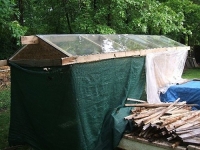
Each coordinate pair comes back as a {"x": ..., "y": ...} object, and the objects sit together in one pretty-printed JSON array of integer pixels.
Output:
[{"x": 4, "y": 76}]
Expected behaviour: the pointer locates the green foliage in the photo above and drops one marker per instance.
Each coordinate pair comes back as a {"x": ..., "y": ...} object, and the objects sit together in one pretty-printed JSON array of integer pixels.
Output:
[
  {"x": 10, "y": 29},
  {"x": 191, "y": 16},
  {"x": 154, "y": 17},
  {"x": 175, "y": 18},
  {"x": 118, "y": 16},
  {"x": 16, "y": 29},
  {"x": 8, "y": 21},
  {"x": 192, "y": 23}
]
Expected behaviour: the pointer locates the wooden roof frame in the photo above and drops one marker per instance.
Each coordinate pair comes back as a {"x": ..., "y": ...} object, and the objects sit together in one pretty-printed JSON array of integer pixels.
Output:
[
  {"x": 99, "y": 57},
  {"x": 69, "y": 59}
]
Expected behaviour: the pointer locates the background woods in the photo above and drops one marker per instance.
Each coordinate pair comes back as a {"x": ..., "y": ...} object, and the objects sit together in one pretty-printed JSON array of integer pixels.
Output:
[{"x": 176, "y": 19}]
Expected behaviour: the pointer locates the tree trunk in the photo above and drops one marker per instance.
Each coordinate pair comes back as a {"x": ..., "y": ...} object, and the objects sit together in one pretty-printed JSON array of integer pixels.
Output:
[
  {"x": 182, "y": 39},
  {"x": 109, "y": 16},
  {"x": 21, "y": 12},
  {"x": 67, "y": 17},
  {"x": 95, "y": 4}
]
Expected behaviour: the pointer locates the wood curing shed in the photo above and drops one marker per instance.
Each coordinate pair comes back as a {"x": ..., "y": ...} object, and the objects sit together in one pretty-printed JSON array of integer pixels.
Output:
[{"x": 68, "y": 91}]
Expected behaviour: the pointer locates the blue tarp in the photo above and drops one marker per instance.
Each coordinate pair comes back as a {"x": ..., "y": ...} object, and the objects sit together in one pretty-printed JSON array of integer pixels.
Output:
[{"x": 189, "y": 92}]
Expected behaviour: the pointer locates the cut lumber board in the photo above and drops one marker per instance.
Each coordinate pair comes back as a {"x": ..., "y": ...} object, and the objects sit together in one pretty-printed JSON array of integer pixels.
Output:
[
  {"x": 29, "y": 40},
  {"x": 3, "y": 63}
]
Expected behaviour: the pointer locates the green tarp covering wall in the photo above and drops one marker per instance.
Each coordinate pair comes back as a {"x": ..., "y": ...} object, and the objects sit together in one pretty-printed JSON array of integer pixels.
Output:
[{"x": 77, "y": 107}]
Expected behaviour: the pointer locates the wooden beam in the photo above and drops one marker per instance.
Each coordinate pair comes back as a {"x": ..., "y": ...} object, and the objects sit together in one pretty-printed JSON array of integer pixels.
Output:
[
  {"x": 193, "y": 147},
  {"x": 157, "y": 105},
  {"x": 17, "y": 52},
  {"x": 132, "y": 142},
  {"x": 29, "y": 40},
  {"x": 68, "y": 60},
  {"x": 3, "y": 63},
  {"x": 136, "y": 100},
  {"x": 103, "y": 56}
]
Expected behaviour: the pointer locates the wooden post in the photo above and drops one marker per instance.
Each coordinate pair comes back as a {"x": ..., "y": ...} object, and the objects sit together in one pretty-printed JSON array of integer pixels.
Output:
[
  {"x": 29, "y": 40},
  {"x": 3, "y": 63}
]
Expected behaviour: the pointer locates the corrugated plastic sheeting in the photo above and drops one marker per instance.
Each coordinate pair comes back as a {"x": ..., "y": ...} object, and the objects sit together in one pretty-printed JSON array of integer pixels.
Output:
[
  {"x": 75, "y": 106},
  {"x": 163, "y": 70},
  {"x": 85, "y": 44}
]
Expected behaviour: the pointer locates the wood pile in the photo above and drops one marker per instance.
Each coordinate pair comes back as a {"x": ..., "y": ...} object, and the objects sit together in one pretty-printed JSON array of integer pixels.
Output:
[
  {"x": 4, "y": 76},
  {"x": 174, "y": 122}
]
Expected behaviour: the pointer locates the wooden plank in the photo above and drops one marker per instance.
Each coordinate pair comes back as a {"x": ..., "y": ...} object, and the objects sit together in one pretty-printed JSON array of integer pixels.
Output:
[
  {"x": 68, "y": 60},
  {"x": 3, "y": 63},
  {"x": 120, "y": 54},
  {"x": 103, "y": 56},
  {"x": 108, "y": 55},
  {"x": 183, "y": 48},
  {"x": 193, "y": 147},
  {"x": 132, "y": 53},
  {"x": 29, "y": 40},
  {"x": 144, "y": 52},
  {"x": 157, "y": 105},
  {"x": 189, "y": 135},
  {"x": 136, "y": 100},
  {"x": 91, "y": 58},
  {"x": 156, "y": 128},
  {"x": 135, "y": 143},
  {"x": 17, "y": 52}
]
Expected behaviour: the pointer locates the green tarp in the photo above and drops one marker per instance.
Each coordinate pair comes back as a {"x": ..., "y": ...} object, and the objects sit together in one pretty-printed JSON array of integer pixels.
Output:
[{"x": 77, "y": 107}]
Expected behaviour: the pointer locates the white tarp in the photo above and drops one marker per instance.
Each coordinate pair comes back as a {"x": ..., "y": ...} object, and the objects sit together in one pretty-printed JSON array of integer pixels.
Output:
[{"x": 163, "y": 69}]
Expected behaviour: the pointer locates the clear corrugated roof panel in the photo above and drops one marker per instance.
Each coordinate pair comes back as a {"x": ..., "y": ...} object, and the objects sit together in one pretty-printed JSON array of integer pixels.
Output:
[
  {"x": 126, "y": 42},
  {"x": 85, "y": 44},
  {"x": 155, "y": 41}
]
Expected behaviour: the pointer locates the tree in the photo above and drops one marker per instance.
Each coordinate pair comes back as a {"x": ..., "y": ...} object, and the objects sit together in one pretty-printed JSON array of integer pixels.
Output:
[
  {"x": 191, "y": 24},
  {"x": 119, "y": 16},
  {"x": 174, "y": 18},
  {"x": 10, "y": 29}
]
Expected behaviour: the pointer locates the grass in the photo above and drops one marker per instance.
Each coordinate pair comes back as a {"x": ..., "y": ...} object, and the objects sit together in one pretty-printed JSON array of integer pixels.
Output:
[
  {"x": 5, "y": 109},
  {"x": 191, "y": 73},
  {"x": 5, "y": 98},
  {"x": 4, "y": 126},
  {"x": 4, "y": 116},
  {"x": 5, "y": 120}
]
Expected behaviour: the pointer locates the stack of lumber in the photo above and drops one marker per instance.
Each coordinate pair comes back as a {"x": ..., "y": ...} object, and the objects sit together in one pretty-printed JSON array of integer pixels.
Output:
[
  {"x": 175, "y": 122},
  {"x": 4, "y": 76}
]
